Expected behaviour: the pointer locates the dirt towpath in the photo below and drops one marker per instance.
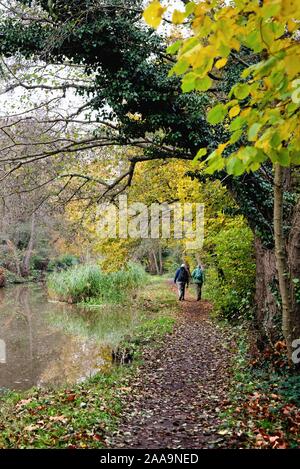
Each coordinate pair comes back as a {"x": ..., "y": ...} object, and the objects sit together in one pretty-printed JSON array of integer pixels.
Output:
[{"x": 179, "y": 391}]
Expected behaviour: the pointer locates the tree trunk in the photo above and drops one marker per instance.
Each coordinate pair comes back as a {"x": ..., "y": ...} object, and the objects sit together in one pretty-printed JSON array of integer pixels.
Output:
[
  {"x": 155, "y": 261},
  {"x": 294, "y": 271},
  {"x": 266, "y": 303},
  {"x": 161, "y": 269},
  {"x": 14, "y": 251},
  {"x": 151, "y": 266},
  {"x": 29, "y": 250},
  {"x": 281, "y": 260}
]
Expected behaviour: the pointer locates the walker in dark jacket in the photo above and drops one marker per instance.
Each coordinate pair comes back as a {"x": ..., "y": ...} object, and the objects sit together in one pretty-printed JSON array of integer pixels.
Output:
[{"x": 182, "y": 280}]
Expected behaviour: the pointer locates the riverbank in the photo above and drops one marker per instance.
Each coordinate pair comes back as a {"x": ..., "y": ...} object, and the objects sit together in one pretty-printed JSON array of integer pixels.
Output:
[
  {"x": 83, "y": 415},
  {"x": 11, "y": 278}
]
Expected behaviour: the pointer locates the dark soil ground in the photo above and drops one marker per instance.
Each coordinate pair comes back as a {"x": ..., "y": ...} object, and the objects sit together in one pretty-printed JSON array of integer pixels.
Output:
[{"x": 180, "y": 388}]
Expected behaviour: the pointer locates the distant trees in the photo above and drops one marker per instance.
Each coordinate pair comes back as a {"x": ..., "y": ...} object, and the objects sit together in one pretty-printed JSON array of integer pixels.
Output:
[{"x": 29, "y": 219}]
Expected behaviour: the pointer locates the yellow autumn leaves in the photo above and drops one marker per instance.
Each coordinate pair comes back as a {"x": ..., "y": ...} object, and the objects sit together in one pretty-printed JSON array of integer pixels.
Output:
[
  {"x": 266, "y": 108},
  {"x": 288, "y": 10},
  {"x": 153, "y": 14}
]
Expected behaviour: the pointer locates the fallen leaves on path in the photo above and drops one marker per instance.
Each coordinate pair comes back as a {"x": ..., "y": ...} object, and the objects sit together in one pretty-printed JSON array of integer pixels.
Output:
[{"x": 178, "y": 393}]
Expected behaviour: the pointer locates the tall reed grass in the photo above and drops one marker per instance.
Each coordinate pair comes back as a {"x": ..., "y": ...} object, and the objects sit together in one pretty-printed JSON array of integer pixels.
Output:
[{"x": 88, "y": 284}]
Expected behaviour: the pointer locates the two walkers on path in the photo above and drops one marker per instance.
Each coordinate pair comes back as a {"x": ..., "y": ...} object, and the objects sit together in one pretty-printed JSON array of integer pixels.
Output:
[{"x": 182, "y": 279}]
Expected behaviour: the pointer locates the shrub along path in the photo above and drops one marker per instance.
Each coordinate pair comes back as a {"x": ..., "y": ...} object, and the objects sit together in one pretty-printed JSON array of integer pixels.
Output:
[{"x": 179, "y": 390}]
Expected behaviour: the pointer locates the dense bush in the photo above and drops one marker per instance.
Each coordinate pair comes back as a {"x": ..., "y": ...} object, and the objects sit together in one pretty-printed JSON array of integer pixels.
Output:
[
  {"x": 11, "y": 277},
  {"x": 63, "y": 262},
  {"x": 87, "y": 283},
  {"x": 39, "y": 263},
  {"x": 231, "y": 275}
]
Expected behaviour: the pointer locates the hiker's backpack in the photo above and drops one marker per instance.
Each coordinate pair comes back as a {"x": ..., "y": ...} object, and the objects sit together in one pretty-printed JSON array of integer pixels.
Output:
[
  {"x": 183, "y": 276},
  {"x": 198, "y": 275}
]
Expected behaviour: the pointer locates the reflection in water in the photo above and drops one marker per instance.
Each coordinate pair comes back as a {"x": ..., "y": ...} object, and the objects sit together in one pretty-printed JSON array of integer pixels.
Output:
[{"x": 44, "y": 343}]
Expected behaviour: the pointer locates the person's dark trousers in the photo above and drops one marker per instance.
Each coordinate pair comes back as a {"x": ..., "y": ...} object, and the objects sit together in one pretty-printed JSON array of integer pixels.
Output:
[
  {"x": 181, "y": 290},
  {"x": 198, "y": 291}
]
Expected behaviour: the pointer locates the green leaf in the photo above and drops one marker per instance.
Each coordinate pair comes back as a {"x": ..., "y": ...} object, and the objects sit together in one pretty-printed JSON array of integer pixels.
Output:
[
  {"x": 236, "y": 136},
  {"x": 215, "y": 162},
  {"x": 291, "y": 108},
  {"x": 180, "y": 67},
  {"x": 275, "y": 140},
  {"x": 277, "y": 78},
  {"x": 269, "y": 10},
  {"x": 241, "y": 90},
  {"x": 200, "y": 153},
  {"x": 231, "y": 103},
  {"x": 263, "y": 68},
  {"x": 203, "y": 84},
  {"x": 253, "y": 131},
  {"x": 260, "y": 156},
  {"x": 173, "y": 48},
  {"x": 284, "y": 157},
  {"x": 253, "y": 41},
  {"x": 190, "y": 8},
  {"x": 273, "y": 155},
  {"x": 296, "y": 96},
  {"x": 217, "y": 114},
  {"x": 237, "y": 123},
  {"x": 188, "y": 82},
  {"x": 295, "y": 157},
  {"x": 189, "y": 44},
  {"x": 277, "y": 28},
  {"x": 235, "y": 166},
  {"x": 247, "y": 154},
  {"x": 246, "y": 72},
  {"x": 224, "y": 50},
  {"x": 214, "y": 166},
  {"x": 253, "y": 166}
]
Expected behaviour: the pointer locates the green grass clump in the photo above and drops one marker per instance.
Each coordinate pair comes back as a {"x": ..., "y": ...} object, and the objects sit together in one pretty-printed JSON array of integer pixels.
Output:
[{"x": 88, "y": 284}]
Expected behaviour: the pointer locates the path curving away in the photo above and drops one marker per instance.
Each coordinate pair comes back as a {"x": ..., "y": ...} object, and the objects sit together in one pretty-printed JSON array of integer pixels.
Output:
[{"x": 180, "y": 388}]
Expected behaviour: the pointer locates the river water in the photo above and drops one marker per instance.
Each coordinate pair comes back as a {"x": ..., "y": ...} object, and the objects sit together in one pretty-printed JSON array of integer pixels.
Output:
[{"x": 44, "y": 343}]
